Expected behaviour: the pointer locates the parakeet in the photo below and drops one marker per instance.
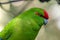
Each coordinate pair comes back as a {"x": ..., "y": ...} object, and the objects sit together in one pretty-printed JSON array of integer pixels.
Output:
[{"x": 25, "y": 26}]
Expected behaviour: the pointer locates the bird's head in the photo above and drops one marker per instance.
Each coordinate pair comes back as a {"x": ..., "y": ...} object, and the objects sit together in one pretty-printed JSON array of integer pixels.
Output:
[{"x": 41, "y": 13}]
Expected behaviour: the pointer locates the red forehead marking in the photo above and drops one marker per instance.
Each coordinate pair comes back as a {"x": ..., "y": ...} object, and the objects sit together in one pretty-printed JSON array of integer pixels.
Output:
[{"x": 46, "y": 14}]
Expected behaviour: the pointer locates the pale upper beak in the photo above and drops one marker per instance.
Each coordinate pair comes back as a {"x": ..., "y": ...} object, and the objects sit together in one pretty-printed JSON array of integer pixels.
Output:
[{"x": 45, "y": 21}]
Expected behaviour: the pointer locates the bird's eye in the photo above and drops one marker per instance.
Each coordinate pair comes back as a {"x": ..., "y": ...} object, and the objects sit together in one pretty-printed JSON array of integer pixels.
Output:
[{"x": 38, "y": 14}]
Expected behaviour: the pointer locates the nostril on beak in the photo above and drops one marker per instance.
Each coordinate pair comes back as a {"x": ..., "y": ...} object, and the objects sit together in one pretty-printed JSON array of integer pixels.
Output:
[{"x": 45, "y": 21}]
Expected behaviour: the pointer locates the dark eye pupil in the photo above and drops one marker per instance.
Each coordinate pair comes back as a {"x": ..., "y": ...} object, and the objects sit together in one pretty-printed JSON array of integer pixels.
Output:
[{"x": 39, "y": 14}]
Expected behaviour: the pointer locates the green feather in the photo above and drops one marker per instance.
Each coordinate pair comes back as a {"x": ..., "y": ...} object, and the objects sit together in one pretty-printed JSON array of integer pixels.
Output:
[{"x": 24, "y": 27}]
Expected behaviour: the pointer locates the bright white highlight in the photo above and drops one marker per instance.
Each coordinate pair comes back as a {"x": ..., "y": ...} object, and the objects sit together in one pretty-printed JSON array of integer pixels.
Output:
[
  {"x": 55, "y": 11},
  {"x": 55, "y": 14}
]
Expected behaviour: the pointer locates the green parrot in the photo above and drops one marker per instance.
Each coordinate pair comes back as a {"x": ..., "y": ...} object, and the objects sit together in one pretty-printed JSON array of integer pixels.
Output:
[{"x": 25, "y": 26}]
